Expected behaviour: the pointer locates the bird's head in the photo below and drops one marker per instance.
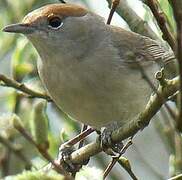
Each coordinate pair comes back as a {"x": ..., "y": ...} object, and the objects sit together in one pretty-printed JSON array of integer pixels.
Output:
[{"x": 54, "y": 24}]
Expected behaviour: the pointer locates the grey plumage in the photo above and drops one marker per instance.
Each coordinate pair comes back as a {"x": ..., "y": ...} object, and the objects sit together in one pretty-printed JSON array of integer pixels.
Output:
[{"x": 90, "y": 69}]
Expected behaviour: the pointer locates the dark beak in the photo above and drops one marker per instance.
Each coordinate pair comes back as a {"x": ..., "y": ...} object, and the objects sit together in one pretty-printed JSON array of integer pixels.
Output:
[{"x": 19, "y": 28}]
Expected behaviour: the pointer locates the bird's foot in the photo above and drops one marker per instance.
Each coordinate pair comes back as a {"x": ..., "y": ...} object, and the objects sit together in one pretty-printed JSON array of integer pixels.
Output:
[
  {"x": 106, "y": 140},
  {"x": 65, "y": 160}
]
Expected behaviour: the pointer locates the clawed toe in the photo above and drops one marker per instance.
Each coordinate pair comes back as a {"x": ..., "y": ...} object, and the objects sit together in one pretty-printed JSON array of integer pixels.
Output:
[
  {"x": 105, "y": 138},
  {"x": 106, "y": 141},
  {"x": 65, "y": 161}
]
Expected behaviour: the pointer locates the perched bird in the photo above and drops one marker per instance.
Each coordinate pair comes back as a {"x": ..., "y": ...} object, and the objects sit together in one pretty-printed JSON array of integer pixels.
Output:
[{"x": 90, "y": 69}]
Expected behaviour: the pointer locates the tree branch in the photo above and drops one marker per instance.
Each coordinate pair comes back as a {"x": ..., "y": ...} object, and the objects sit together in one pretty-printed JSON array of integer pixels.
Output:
[
  {"x": 177, "y": 10},
  {"x": 22, "y": 87},
  {"x": 178, "y": 177},
  {"x": 114, "y": 5},
  {"x": 162, "y": 22},
  {"x": 116, "y": 158}
]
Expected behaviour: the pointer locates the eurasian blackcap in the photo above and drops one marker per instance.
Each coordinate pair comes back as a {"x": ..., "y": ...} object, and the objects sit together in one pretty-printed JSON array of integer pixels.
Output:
[{"x": 90, "y": 69}]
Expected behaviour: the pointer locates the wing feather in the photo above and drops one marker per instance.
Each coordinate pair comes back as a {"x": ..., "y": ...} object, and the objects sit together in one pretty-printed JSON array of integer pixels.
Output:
[{"x": 133, "y": 48}]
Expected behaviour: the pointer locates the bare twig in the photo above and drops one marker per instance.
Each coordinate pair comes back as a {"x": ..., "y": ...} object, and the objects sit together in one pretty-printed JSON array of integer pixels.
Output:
[
  {"x": 177, "y": 10},
  {"x": 116, "y": 158},
  {"x": 81, "y": 143},
  {"x": 22, "y": 87},
  {"x": 162, "y": 22},
  {"x": 78, "y": 138},
  {"x": 147, "y": 79},
  {"x": 115, "y": 3},
  {"x": 178, "y": 177}
]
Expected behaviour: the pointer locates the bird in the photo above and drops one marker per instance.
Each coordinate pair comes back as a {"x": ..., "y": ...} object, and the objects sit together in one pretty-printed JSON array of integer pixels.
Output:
[{"x": 90, "y": 69}]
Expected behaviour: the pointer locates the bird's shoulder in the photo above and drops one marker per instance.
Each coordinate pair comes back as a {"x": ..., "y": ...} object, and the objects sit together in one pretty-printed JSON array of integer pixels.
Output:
[{"x": 134, "y": 48}]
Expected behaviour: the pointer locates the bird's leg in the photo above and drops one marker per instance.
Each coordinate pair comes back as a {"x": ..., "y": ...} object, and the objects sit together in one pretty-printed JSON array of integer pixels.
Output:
[
  {"x": 65, "y": 161},
  {"x": 106, "y": 140},
  {"x": 67, "y": 148}
]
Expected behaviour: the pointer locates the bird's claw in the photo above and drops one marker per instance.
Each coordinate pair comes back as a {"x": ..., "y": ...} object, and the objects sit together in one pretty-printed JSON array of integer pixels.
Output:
[
  {"x": 105, "y": 138},
  {"x": 65, "y": 161},
  {"x": 107, "y": 142}
]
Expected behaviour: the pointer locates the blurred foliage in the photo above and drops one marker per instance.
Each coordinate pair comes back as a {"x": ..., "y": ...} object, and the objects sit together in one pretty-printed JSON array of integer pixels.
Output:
[
  {"x": 23, "y": 59},
  {"x": 85, "y": 174},
  {"x": 36, "y": 175},
  {"x": 165, "y": 6}
]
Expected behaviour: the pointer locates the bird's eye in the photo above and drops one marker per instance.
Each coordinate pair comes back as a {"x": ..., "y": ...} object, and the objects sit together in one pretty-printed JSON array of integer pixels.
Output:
[{"x": 55, "y": 22}]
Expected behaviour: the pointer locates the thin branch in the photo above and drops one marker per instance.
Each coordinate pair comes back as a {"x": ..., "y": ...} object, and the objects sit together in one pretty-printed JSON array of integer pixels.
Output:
[
  {"x": 135, "y": 23},
  {"x": 81, "y": 143},
  {"x": 162, "y": 22},
  {"x": 116, "y": 158},
  {"x": 115, "y": 3},
  {"x": 160, "y": 78},
  {"x": 22, "y": 87},
  {"x": 78, "y": 138},
  {"x": 177, "y": 10},
  {"x": 178, "y": 177}
]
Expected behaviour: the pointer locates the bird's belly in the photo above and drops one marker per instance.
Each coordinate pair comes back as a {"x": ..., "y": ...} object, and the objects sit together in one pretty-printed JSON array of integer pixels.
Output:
[{"x": 96, "y": 101}]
